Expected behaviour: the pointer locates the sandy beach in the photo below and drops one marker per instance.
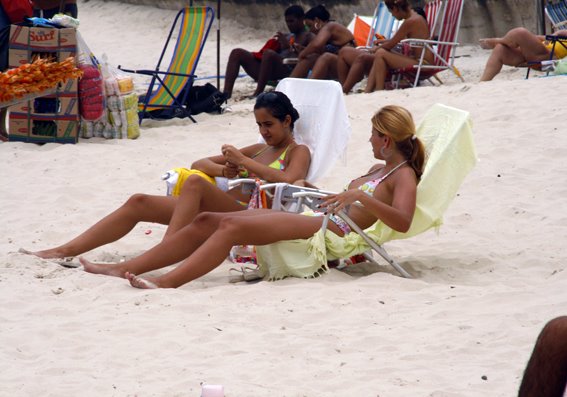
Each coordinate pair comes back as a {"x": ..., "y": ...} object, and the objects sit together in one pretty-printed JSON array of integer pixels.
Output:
[{"x": 485, "y": 284}]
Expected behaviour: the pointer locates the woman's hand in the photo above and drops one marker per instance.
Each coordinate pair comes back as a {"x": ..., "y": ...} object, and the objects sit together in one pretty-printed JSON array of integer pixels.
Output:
[
  {"x": 230, "y": 170},
  {"x": 283, "y": 40},
  {"x": 232, "y": 155},
  {"x": 337, "y": 202}
]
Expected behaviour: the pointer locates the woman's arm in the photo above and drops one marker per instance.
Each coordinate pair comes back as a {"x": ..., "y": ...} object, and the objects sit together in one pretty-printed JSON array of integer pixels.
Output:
[
  {"x": 401, "y": 34},
  {"x": 217, "y": 165},
  {"x": 398, "y": 215},
  {"x": 317, "y": 44},
  {"x": 298, "y": 159}
]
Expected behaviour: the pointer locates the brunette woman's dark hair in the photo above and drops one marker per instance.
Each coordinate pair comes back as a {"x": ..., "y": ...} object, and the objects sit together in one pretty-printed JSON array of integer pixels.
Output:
[
  {"x": 278, "y": 104},
  {"x": 318, "y": 12}
]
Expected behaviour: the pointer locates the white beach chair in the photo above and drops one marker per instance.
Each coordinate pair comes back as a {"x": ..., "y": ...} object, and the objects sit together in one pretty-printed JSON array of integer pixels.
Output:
[
  {"x": 447, "y": 135},
  {"x": 323, "y": 126},
  {"x": 323, "y": 123}
]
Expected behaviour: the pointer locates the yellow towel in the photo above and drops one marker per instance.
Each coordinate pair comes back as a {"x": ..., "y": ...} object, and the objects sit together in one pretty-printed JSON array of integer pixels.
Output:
[{"x": 447, "y": 135}]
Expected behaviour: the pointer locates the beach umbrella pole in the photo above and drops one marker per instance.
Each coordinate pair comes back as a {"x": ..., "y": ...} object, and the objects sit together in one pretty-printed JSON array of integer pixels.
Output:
[{"x": 218, "y": 42}]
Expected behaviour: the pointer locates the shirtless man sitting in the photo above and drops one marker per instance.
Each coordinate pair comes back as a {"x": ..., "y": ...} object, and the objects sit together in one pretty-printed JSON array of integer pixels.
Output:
[{"x": 267, "y": 64}]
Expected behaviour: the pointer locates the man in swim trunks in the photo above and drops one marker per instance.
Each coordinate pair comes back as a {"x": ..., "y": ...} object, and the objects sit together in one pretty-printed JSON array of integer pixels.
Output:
[{"x": 267, "y": 64}]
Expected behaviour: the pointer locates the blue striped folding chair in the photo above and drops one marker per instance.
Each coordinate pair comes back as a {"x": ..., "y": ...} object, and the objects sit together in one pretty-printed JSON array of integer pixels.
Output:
[
  {"x": 383, "y": 23},
  {"x": 556, "y": 12}
]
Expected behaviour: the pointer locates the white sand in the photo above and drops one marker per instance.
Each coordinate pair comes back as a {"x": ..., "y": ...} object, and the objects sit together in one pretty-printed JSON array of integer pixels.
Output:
[{"x": 485, "y": 284}]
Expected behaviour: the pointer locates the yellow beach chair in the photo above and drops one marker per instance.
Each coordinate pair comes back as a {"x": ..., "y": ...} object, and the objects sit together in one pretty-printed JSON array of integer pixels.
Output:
[
  {"x": 447, "y": 135},
  {"x": 168, "y": 90}
]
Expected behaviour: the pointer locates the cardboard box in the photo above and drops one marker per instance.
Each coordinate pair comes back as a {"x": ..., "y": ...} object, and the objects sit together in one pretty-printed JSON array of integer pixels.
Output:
[
  {"x": 71, "y": 86},
  {"x": 42, "y": 130},
  {"x": 18, "y": 57},
  {"x": 65, "y": 53},
  {"x": 64, "y": 106},
  {"x": 26, "y": 42},
  {"x": 68, "y": 131},
  {"x": 67, "y": 38},
  {"x": 18, "y": 129},
  {"x": 40, "y": 38}
]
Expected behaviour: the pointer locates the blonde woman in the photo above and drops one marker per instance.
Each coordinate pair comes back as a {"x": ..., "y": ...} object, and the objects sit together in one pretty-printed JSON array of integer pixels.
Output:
[{"x": 387, "y": 192}]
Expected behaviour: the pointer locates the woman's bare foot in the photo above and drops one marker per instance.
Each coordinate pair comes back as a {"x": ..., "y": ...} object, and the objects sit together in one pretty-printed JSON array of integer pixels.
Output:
[
  {"x": 140, "y": 282},
  {"x": 108, "y": 269},
  {"x": 46, "y": 254},
  {"x": 488, "y": 44}
]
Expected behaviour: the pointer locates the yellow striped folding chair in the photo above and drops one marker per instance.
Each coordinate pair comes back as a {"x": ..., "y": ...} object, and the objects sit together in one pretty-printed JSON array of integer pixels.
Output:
[{"x": 168, "y": 90}]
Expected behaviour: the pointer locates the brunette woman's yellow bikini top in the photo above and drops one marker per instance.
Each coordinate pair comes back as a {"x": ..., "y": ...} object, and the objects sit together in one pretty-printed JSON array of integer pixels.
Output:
[{"x": 277, "y": 164}]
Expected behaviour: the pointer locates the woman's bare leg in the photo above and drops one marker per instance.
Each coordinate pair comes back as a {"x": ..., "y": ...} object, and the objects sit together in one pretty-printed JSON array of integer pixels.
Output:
[
  {"x": 239, "y": 57},
  {"x": 346, "y": 57},
  {"x": 235, "y": 230},
  {"x": 325, "y": 67},
  {"x": 171, "y": 250},
  {"x": 371, "y": 81},
  {"x": 138, "y": 208},
  {"x": 383, "y": 61},
  {"x": 529, "y": 43},
  {"x": 301, "y": 70},
  {"x": 198, "y": 195},
  {"x": 516, "y": 47},
  {"x": 501, "y": 55},
  {"x": 271, "y": 68},
  {"x": 360, "y": 66}
]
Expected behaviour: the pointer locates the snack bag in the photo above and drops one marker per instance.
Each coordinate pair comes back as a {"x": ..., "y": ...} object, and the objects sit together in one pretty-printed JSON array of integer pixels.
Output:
[
  {"x": 121, "y": 100},
  {"x": 91, "y": 88}
]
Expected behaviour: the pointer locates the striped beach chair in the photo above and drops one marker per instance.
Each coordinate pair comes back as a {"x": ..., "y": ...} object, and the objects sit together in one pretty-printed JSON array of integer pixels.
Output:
[
  {"x": 168, "y": 89},
  {"x": 383, "y": 23},
  {"x": 556, "y": 12},
  {"x": 445, "y": 18}
]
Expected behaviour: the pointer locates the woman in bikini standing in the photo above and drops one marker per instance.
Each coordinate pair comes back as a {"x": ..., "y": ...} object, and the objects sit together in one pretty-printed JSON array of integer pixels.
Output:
[
  {"x": 330, "y": 38},
  {"x": 387, "y": 192},
  {"x": 280, "y": 159},
  {"x": 375, "y": 62}
]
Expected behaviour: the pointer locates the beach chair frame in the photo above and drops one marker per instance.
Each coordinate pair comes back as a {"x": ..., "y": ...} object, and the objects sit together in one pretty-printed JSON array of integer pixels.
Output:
[
  {"x": 447, "y": 135},
  {"x": 293, "y": 198},
  {"x": 537, "y": 65},
  {"x": 168, "y": 90},
  {"x": 556, "y": 13},
  {"x": 442, "y": 44},
  {"x": 383, "y": 22}
]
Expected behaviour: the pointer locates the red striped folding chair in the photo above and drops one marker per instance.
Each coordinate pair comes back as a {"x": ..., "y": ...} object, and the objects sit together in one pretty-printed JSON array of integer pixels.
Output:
[{"x": 442, "y": 43}]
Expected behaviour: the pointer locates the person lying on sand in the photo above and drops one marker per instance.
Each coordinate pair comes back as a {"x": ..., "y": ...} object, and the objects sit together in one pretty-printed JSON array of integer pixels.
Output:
[
  {"x": 387, "y": 192},
  {"x": 280, "y": 159},
  {"x": 517, "y": 47}
]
